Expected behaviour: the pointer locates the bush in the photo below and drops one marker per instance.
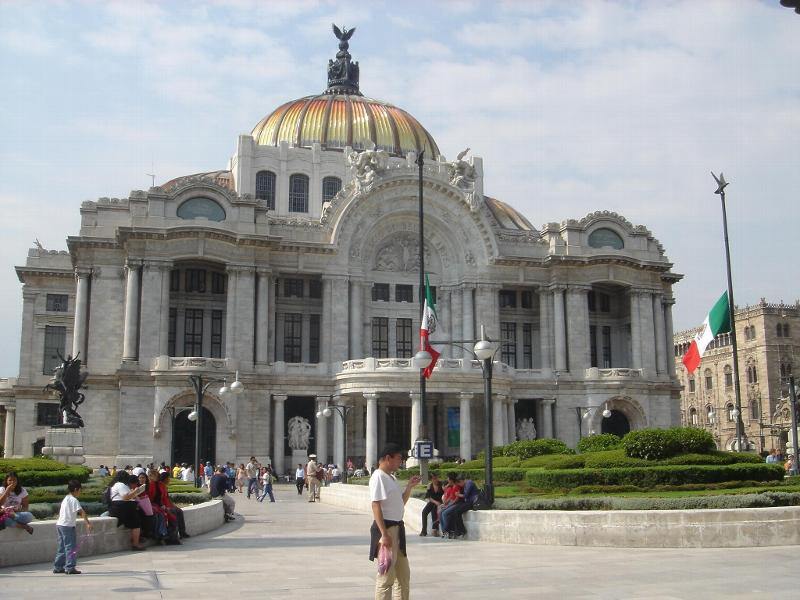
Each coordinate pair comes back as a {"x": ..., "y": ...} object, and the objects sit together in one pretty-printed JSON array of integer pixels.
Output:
[
  {"x": 530, "y": 448},
  {"x": 652, "y": 476},
  {"x": 599, "y": 442},
  {"x": 554, "y": 461},
  {"x": 53, "y": 477},
  {"x": 656, "y": 444},
  {"x": 612, "y": 459},
  {"x": 694, "y": 440},
  {"x": 496, "y": 451},
  {"x": 31, "y": 464}
]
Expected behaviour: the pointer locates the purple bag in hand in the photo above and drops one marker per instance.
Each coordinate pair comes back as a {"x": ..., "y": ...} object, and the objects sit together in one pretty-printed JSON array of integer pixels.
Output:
[{"x": 384, "y": 559}]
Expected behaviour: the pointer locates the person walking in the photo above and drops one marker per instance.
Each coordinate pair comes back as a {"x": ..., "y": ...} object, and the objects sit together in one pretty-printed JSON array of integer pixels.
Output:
[
  {"x": 267, "y": 480},
  {"x": 300, "y": 478},
  {"x": 252, "y": 475},
  {"x": 312, "y": 477},
  {"x": 388, "y": 502}
]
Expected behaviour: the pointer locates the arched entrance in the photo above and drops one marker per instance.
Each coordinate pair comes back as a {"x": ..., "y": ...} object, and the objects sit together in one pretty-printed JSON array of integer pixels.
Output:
[
  {"x": 184, "y": 436},
  {"x": 617, "y": 424}
]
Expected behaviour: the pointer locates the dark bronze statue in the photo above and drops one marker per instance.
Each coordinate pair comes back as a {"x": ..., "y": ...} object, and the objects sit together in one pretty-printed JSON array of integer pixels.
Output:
[
  {"x": 343, "y": 72},
  {"x": 68, "y": 381}
]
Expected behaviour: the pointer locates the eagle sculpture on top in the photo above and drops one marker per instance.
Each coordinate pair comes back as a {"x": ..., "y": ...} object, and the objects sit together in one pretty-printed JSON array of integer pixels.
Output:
[{"x": 343, "y": 34}]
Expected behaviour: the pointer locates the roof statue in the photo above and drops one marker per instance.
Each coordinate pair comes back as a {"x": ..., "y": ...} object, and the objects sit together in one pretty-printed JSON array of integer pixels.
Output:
[{"x": 342, "y": 72}]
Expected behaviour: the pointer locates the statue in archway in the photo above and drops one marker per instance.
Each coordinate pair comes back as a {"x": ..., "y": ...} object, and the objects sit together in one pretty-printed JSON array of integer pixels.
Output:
[
  {"x": 526, "y": 429},
  {"x": 299, "y": 433}
]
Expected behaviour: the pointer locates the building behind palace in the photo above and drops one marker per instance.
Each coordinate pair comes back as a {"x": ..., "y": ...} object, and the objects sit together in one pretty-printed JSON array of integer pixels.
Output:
[
  {"x": 297, "y": 268},
  {"x": 768, "y": 339}
]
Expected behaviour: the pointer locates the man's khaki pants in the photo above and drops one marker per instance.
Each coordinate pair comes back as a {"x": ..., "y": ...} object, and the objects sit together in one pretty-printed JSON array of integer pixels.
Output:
[
  {"x": 396, "y": 582},
  {"x": 313, "y": 488}
]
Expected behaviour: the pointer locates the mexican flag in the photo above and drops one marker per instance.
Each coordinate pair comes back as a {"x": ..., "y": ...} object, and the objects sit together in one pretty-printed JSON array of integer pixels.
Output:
[
  {"x": 718, "y": 321},
  {"x": 429, "y": 323}
]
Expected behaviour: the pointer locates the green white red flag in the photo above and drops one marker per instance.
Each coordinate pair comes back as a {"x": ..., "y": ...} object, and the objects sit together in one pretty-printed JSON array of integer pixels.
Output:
[
  {"x": 429, "y": 322},
  {"x": 718, "y": 321}
]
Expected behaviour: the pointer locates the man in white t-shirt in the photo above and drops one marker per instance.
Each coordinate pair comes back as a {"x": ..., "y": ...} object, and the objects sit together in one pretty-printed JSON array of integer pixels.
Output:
[{"x": 388, "y": 504}]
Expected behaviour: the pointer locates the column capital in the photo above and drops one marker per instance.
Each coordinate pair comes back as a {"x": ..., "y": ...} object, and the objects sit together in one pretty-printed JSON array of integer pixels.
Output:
[
  {"x": 29, "y": 294},
  {"x": 82, "y": 272},
  {"x": 468, "y": 396},
  {"x": 10, "y": 406},
  {"x": 152, "y": 264},
  {"x": 555, "y": 288},
  {"x": 371, "y": 395},
  {"x": 280, "y": 397},
  {"x": 334, "y": 277},
  {"x": 579, "y": 289},
  {"x": 133, "y": 263},
  {"x": 240, "y": 269},
  {"x": 414, "y": 395},
  {"x": 548, "y": 401},
  {"x": 264, "y": 271},
  {"x": 500, "y": 398}
]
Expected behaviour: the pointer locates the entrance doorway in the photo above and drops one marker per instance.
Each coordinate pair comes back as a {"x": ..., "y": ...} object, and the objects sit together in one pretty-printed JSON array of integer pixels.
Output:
[
  {"x": 184, "y": 435},
  {"x": 617, "y": 424},
  {"x": 398, "y": 425}
]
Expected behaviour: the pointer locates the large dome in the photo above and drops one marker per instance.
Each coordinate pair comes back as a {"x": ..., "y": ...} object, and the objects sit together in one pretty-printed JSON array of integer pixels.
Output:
[{"x": 336, "y": 120}]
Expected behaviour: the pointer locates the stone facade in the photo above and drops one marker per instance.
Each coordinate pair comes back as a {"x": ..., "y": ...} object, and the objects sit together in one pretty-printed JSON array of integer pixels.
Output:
[
  {"x": 297, "y": 268},
  {"x": 768, "y": 341}
]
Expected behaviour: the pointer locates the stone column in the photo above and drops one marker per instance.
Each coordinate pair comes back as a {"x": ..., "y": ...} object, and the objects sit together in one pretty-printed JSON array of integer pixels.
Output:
[
  {"x": 647, "y": 332},
  {"x": 382, "y": 407},
  {"x": 155, "y": 311},
  {"x": 487, "y": 310},
  {"x": 356, "y": 320},
  {"x": 511, "y": 422},
  {"x": 339, "y": 450},
  {"x": 81, "y": 312},
  {"x": 661, "y": 342},
  {"x": 636, "y": 331},
  {"x": 499, "y": 421},
  {"x": 578, "y": 329},
  {"x": 416, "y": 416},
  {"x": 130, "y": 336},
  {"x": 8, "y": 443},
  {"x": 444, "y": 308},
  {"x": 371, "y": 453},
  {"x": 465, "y": 425},
  {"x": 547, "y": 418},
  {"x": 262, "y": 317},
  {"x": 163, "y": 334},
  {"x": 456, "y": 298},
  {"x": 668, "y": 334},
  {"x": 322, "y": 429},
  {"x": 545, "y": 327},
  {"x": 245, "y": 315},
  {"x": 326, "y": 325},
  {"x": 230, "y": 314},
  {"x": 338, "y": 325},
  {"x": 278, "y": 433},
  {"x": 27, "y": 370},
  {"x": 559, "y": 327},
  {"x": 467, "y": 313}
]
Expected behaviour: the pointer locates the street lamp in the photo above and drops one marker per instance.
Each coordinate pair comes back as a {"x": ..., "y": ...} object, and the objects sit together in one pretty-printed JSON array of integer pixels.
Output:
[
  {"x": 200, "y": 387},
  {"x": 484, "y": 351},
  {"x": 342, "y": 410},
  {"x": 589, "y": 411}
]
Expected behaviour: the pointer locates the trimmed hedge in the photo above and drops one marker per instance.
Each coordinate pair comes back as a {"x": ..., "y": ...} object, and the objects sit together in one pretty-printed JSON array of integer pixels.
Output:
[
  {"x": 53, "y": 477},
  {"x": 500, "y": 474},
  {"x": 530, "y": 448},
  {"x": 30, "y": 464},
  {"x": 761, "y": 500},
  {"x": 655, "y": 444},
  {"x": 652, "y": 476},
  {"x": 599, "y": 442}
]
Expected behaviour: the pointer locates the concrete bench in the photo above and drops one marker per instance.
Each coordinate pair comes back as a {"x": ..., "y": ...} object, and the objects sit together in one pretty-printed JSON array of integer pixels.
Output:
[{"x": 17, "y": 547}]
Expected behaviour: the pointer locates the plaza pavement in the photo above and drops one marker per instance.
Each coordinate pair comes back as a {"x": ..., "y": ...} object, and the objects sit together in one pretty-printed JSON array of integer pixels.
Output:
[{"x": 293, "y": 549}]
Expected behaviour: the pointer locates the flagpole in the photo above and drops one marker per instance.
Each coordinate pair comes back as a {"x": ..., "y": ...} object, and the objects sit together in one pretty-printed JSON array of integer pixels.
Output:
[
  {"x": 721, "y": 185},
  {"x": 423, "y": 462}
]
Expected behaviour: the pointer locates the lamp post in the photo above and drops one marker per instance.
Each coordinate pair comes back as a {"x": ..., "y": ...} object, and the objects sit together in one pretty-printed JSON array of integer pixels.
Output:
[
  {"x": 342, "y": 410},
  {"x": 589, "y": 410},
  {"x": 793, "y": 409},
  {"x": 422, "y": 433},
  {"x": 200, "y": 387}
]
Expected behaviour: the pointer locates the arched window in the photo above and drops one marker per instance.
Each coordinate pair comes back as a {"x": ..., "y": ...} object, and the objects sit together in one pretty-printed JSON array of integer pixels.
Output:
[
  {"x": 710, "y": 415},
  {"x": 754, "y": 411},
  {"x": 785, "y": 330},
  {"x": 691, "y": 384},
  {"x": 605, "y": 238},
  {"x": 205, "y": 208},
  {"x": 330, "y": 187},
  {"x": 693, "y": 420},
  {"x": 779, "y": 330},
  {"x": 265, "y": 188},
  {"x": 729, "y": 409},
  {"x": 298, "y": 193},
  {"x": 709, "y": 379},
  {"x": 728, "y": 376},
  {"x": 752, "y": 374}
]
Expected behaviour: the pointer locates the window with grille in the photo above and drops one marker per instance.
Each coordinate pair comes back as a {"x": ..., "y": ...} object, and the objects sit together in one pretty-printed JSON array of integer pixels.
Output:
[
  {"x": 693, "y": 417},
  {"x": 691, "y": 384},
  {"x": 403, "y": 293},
  {"x": 298, "y": 193},
  {"x": 526, "y": 299},
  {"x": 313, "y": 339},
  {"x": 508, "y": 299},
  {"x": 195, "y": 282},
  {"x": 404, "y": 338},
  {"x": 193, "y": 332},
  {"x": 265, "y": 188},
  {"x": 729, "y": 408},
  {"x": 527, "y": 346},
  {"x": 47, "y": 414},
  {"x": 173, "y": 331},
  {"x": 57, "y": 302},
  {"x": 593, "y": 344},
  {"x": 175, "y": 280},
  {"x": 728, "y": 377},
  {"x": 508, "y": 338},
  {"x": 216, "y": 334},
  {"x": 754, "y": 410},
  {"x": 293, "y": 338},
  {"x": 606, "y": 345},
  {"x": 605, "y": 302},
  {"x": 292, "y": 288},
  {"x": 591, "y": 298},
  {"x": 55, "y": 341},
  {"x": 380, "y": 337},
  {"x": 315, "y": 288},
  {"x": 218, "y": 281},
  {"x": 330, "y": 187},
  {"x": 380, "y": 292}
]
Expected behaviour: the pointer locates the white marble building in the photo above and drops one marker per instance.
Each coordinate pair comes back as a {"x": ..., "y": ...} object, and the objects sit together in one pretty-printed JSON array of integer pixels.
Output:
[{"x": 297, "y": 266}]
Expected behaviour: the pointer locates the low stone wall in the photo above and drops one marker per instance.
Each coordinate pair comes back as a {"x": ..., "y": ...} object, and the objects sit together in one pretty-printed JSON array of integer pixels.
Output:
[
  {"x": 17, "y": 547},
  {"x": 731, "y": 528}
]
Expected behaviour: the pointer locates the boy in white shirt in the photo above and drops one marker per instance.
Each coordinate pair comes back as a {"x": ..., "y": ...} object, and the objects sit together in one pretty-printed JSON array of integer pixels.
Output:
[{"x": 67, "y": 551}]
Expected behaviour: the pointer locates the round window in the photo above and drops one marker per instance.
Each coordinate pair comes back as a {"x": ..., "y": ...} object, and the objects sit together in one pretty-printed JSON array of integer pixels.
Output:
[
  {"x": 204, "y": 208},
  {"x": 605, "y": 238}
]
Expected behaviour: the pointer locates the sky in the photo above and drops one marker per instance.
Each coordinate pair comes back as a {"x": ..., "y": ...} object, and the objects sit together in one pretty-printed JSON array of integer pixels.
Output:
[{"x": 574, "y": 106}]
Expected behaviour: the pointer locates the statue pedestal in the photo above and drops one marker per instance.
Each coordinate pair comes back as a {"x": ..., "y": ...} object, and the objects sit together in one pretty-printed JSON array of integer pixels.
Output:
[
  {"x": 299, "y": 457},
  {"x": 64, "y": 444}
]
